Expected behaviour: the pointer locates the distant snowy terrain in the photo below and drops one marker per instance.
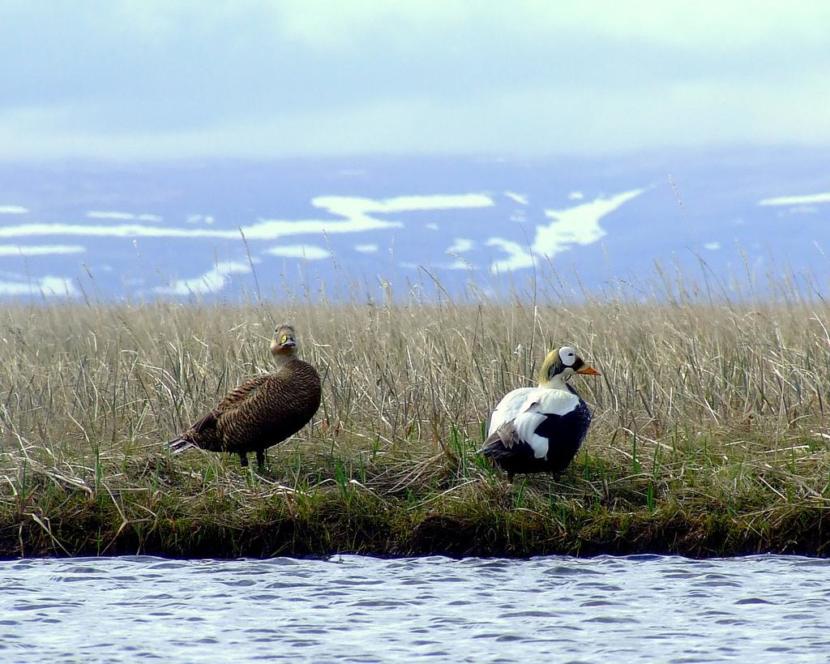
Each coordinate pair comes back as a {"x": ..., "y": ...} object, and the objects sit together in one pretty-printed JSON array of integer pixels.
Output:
[{"x": 339, "y": 228}]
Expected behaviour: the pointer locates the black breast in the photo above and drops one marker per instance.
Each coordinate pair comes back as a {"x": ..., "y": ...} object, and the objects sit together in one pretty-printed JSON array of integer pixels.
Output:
[{"x": 565, "y": 434}]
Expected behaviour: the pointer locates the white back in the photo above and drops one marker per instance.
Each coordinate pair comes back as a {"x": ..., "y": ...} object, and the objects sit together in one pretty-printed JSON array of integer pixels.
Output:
[
  {"x": 556, "y": 402},
  {"x": 508, "y": 408}
]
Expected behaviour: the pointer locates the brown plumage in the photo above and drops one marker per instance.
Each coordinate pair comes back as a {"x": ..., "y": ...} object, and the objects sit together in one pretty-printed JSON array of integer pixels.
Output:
[{"x": 264, "y": 410}]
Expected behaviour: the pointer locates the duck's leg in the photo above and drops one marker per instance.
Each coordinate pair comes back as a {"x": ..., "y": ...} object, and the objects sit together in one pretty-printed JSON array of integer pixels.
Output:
[
  {"x": 510, "y": 477},
  {"x": 243, "y": 459},
  {"x": 260, "y": 459}
]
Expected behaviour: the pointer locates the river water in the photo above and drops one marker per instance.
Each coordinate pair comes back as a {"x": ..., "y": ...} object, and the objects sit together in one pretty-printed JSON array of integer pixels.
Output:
[{"x": 360, "y": 609}]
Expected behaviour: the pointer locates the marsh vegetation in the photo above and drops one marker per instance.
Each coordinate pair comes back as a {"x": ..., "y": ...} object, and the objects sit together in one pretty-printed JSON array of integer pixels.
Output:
[{"x": 710, "y": 432}]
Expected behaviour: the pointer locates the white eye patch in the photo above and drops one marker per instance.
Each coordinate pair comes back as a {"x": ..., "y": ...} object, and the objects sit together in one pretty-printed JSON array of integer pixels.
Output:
[{"x": 567, "y": 355}]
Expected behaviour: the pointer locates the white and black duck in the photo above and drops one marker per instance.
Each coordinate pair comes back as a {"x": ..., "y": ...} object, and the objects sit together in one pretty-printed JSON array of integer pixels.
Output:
[{"x": 540, "y": 429}]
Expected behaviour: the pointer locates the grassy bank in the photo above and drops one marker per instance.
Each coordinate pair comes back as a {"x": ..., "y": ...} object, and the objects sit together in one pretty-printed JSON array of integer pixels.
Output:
[{"x": 711, "y": 433}]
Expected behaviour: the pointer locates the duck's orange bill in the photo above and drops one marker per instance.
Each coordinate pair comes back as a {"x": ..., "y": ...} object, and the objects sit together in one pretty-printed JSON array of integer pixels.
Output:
[{"x": 588, "y": 371}]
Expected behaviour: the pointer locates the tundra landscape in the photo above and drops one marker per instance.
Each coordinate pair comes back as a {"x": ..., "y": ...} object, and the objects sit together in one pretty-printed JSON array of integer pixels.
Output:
[{"x": 709, "y": 438}]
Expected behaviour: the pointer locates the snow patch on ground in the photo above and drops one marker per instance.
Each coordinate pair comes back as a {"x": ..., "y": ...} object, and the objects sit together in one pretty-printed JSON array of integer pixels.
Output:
[
  {"x": 211, "y": 281},
  {"x": 458, "y": 264},
  {"x": 806, "y": 199},
  {"x": 578, "y": 225},
  {"x": 308, "y": 251},
  {"x": 48, "y": 286},
  {"x": 200, "y": 219},
  {"x": 521, "y": 199},
  {"x": 353, "y": 206},
  {"x": 518, "y": 257},
  {"x": 460, "y": 245},
  {"x": 122, "y": 216},
  {"x": 40, "y": 249},
  {"x": 356, "y": 216}
]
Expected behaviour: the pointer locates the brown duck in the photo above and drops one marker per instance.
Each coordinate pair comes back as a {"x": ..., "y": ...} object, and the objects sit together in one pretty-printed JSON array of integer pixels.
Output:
[{"x": 264, "y": 410}]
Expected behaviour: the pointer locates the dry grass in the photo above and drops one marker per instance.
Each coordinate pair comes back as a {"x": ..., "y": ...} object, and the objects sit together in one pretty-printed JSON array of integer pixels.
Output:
[{"x": 710, "y": 434}]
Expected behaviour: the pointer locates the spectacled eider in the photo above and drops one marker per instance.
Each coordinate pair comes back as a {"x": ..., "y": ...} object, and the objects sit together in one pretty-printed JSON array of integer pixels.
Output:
[
  {"x": 538, "y": 429},
  {"x": 264, "y": 410}
]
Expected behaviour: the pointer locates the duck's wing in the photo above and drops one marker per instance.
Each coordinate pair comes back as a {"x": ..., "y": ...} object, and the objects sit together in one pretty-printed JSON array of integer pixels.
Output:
[
  {"x": 507, "y": 409},
  {"x": 246, "y": 392},
  {"x": 205, "y": 432},
  {"x": 504, "y": 444},
  {"x": 270, "y": 408}
]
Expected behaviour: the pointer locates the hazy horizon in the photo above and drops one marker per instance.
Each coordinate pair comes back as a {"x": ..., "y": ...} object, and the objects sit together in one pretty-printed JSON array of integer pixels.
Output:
[{"x": 155, "y": 81}]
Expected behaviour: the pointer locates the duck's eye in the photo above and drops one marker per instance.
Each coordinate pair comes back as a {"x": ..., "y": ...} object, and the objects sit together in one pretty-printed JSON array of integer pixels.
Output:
[{"x": 283, "y": 338}]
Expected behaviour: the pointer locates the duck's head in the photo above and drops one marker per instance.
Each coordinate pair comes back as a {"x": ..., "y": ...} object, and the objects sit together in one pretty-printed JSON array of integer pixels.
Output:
[
  {"x": 561, "y": 364},
  {"x": 284, "y": 343}
]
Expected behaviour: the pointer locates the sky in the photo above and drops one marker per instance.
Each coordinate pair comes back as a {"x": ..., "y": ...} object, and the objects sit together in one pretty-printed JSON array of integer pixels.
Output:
[{"x": 170, "y": 79}]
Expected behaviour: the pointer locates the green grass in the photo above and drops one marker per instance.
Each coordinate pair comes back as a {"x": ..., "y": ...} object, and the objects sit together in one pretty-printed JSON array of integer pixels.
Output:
[{"x": 710, "y": 434}]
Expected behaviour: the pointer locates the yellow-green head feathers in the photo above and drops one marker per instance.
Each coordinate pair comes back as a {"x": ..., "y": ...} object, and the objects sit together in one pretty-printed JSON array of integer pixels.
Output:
[
  {"x": 561, "y": 364},
  {"x": 548, "y": 367}
]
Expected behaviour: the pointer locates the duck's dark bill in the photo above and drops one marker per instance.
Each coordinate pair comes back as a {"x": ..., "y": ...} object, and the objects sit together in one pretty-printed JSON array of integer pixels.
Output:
[{"x": 588, "y": 371}]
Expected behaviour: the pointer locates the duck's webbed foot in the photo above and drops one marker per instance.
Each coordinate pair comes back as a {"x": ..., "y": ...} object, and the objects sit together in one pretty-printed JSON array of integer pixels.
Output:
[{"x": 243, "y": 459}]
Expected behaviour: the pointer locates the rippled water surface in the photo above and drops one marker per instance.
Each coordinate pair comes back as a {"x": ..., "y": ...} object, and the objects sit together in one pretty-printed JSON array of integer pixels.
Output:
[{"x": 360, "y": 609}]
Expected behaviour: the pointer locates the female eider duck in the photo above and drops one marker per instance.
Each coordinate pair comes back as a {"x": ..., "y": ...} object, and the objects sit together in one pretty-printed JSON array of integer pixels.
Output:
[
  {"x": 264, "y": 410},
  {"x": 538, "y": 429}
]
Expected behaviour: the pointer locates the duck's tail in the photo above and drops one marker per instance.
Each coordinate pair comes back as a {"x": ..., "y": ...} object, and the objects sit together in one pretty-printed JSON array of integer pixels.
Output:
[
  {"x": 179, "y": 445},
  {"x": 195, "y": 435}
]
